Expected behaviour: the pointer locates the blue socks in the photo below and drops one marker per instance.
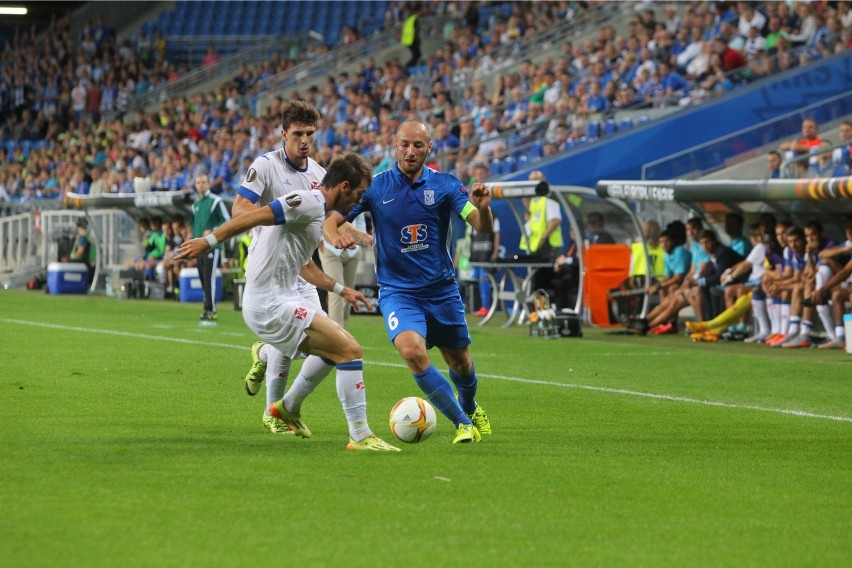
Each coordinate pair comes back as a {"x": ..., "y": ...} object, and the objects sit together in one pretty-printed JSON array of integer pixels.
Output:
[
  {"x": 467, "y": 389},
  {"x": 440, "y": 393}
]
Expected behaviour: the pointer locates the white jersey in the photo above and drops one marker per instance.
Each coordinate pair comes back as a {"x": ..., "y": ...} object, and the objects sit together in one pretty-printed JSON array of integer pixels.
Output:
[
  {"x": 279, "y": 252},
  {"x": 273, "y": 175},
  {"x": 757, "y": 259}
]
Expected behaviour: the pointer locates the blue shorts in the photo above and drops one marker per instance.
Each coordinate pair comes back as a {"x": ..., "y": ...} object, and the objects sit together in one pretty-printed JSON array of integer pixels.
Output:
[{"x": 439, "y": 320}]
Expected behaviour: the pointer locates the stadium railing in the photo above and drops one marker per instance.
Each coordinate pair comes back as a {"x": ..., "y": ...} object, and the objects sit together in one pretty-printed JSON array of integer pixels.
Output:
[
  {"x": 840, "y": 157},
  {"x": 226, "y": 67},
  {"x": 704, "y": 158}
]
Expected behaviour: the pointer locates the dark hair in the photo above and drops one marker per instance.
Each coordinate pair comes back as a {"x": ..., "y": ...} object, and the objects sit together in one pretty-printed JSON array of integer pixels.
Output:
[
  {"x": 677, "y": 231},
  {"x": 708, "y": 234},
  {"x": 351, "y": 168},
  {"x": 795, "y": 231},
  {"x": 695, "y": 222},
  {"x": 299, "y": 111},
  {"x": 815, "y": 226}
]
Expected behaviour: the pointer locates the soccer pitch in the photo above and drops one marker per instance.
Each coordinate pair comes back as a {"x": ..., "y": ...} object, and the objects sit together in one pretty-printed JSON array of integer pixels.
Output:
[{"x": 128, "y": 440}]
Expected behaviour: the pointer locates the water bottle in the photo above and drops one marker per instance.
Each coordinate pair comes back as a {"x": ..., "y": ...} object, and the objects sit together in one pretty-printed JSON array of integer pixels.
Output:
[{"x": 108, "y": 283}]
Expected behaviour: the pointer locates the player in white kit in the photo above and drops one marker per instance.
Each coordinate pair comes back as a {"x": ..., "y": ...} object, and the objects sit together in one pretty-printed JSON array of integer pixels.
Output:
[
  {"x": 273, "y": 307},
  {"x": 270, "y": 176}
]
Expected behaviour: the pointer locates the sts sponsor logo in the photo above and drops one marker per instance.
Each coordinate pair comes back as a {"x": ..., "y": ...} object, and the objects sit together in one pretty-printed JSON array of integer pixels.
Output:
[
  {"x": 414, "y": 237},
  {"x": 315, "y": 185}
]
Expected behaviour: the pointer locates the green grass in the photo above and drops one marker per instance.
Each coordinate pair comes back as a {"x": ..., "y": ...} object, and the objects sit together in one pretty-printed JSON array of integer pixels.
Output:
[{"x": 121, "y": 449}]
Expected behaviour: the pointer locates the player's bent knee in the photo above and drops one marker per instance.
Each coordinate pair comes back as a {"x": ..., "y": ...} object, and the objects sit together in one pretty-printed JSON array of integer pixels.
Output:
[{"x": 350, "y": 350}]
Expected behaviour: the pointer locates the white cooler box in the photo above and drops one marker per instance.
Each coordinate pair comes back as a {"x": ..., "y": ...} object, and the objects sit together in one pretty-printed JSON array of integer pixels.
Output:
[
  {"x": 190, "y": 286},
  {"x": 67, "y": 278}
]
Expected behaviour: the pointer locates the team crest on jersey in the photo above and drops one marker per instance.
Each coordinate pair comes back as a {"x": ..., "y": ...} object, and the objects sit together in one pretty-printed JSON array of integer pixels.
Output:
[
  {"x": 429, "y": 196},
  {"x": 301, "y": 313},
  {"x": 251, "y": 175},
  {"x": 315, "y": 185},
  {"x": 293, "y": 200}
]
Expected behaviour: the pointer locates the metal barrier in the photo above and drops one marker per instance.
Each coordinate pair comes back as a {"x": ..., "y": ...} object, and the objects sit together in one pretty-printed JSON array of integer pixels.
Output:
[{"x": 30, "y": 240}]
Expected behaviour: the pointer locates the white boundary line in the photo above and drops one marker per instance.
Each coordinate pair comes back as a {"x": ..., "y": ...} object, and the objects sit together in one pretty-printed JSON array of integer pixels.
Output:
[{"x": 626, "y": 392}]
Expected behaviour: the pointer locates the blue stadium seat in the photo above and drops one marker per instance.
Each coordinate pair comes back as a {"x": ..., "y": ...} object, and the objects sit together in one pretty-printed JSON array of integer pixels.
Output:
[
  {"x": 644, "y": 119},
  {"x": 536, "y": 149},
  {"x": 522, "y": 163},
  {"x": 626, "y": 123},
  {"x": 26, "y": 147},
  {"x": 494, "y": 169},
  {"x": 610, "y": 127},
  {"x": 509, "y": 165},
  {"x": 594, "y": 130}
]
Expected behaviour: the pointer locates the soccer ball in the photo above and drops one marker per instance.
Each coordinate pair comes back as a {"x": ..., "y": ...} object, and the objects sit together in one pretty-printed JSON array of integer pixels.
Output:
[{"x": 412, "y": 419}]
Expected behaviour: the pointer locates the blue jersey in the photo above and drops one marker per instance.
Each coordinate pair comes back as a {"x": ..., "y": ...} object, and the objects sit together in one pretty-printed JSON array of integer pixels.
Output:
[
  {"x": 411, "y": 223},
  {"x": 677, "y": 262},
  {"x": 699, "y": 257}
]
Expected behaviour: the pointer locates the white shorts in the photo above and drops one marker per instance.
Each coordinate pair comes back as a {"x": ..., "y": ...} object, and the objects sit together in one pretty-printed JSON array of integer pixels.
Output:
[{"x": 282, "y": 321}]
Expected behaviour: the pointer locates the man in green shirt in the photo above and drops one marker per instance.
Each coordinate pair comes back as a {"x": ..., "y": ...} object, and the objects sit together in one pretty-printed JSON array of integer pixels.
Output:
[{"x": 208, "y": 212}]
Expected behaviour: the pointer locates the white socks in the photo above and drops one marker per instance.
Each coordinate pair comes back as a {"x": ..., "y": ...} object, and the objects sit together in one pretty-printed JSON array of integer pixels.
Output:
[
  {"x": 824, "y": 311},
  {"x": 353, "y": 398},
  {"x": 761, "y": 318},
  {"x": 277, "y": 372},
  {"x": 313, "y": 371}
]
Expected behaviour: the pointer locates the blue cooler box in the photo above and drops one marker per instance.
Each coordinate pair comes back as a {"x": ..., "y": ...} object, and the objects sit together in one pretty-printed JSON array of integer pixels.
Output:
[
  {"x": 67, "y": 278},
  {"x": 190, "y": 286}
]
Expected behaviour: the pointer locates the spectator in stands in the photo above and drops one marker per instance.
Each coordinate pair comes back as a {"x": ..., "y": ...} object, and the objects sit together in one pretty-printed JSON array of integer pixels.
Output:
[
  {"x": 821, "y": 165},
  {"x": 773, "y": 164},
  {"x": 809, "y": 141},
  {"x": 774, "y": 32},
  {"x": 749, "y": 18},
  {"x": 730, "y": 58},
  {"x": 210, "y": 57},
  {"x": 806, "y": 28},
  {"x": 411, "y": 34},
  {"x": 842, "y": 157}
]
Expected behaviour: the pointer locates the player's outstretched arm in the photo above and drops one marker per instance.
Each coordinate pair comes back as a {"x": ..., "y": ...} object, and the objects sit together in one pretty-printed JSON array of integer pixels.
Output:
[
  {"x": 313, "y": 274},
  {"x": 333, "y": 233},
  {"x": 196, "y": 247},
  {"x": 480, "y": 218}
]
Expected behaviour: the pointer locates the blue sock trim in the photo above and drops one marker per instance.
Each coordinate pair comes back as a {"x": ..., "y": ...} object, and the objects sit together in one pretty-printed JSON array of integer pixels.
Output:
[
  {"x": 328, "y": 362},
  {"x": 354, "y": 365},
  {"x": 758, "y": 296}
]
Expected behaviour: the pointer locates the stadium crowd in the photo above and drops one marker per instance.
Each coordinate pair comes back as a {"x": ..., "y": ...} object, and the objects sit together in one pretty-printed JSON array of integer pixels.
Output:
[{"x": 62, "y": 98}]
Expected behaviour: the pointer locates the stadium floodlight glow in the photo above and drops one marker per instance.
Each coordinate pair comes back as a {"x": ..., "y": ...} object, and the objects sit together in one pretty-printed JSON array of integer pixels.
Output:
[{"x": 13, "y": 11}]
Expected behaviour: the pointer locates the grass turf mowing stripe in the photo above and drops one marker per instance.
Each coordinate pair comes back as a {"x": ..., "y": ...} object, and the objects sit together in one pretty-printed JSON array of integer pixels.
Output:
[{"x": 609, "y": 390}]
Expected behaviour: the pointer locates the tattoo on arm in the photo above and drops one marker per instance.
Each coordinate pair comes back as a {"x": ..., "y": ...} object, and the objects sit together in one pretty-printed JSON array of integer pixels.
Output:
[{"x": 360, "y": 237}]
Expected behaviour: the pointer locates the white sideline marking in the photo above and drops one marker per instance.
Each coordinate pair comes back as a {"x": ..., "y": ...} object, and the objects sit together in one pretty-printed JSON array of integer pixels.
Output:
[
  {"x": 123, "y": 333},
  {"x": 489, "y": 376}
]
